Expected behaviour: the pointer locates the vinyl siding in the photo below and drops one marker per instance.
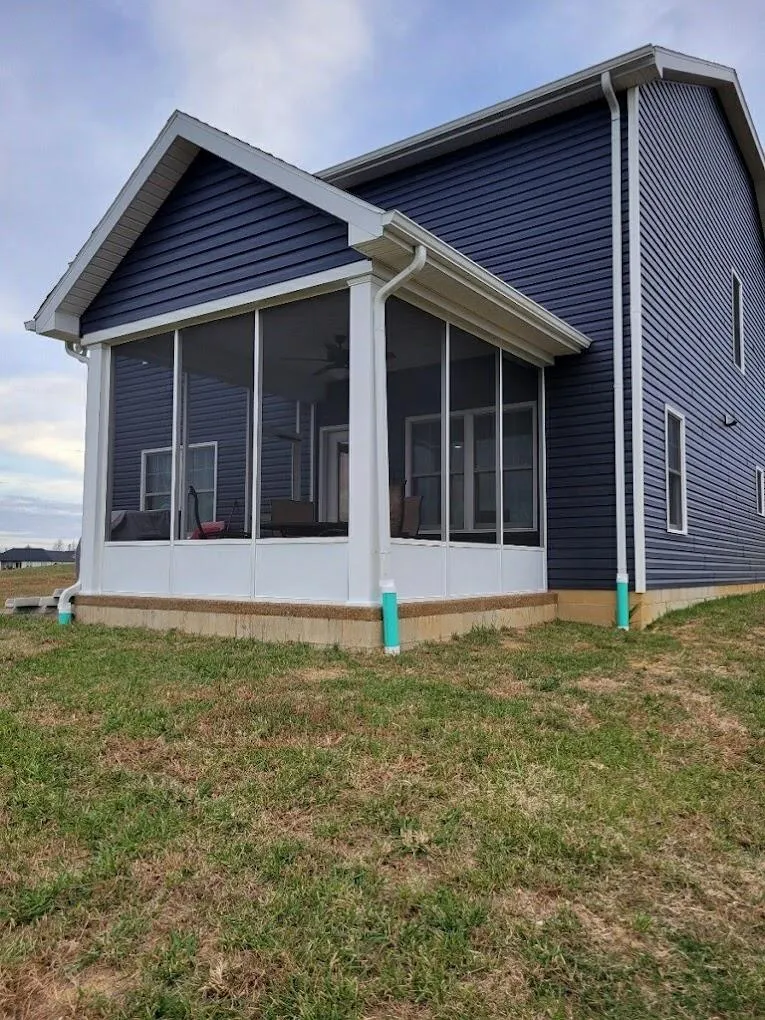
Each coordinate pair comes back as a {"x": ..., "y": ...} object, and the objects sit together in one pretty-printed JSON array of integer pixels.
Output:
[
  {"x": 699, "y": 222},
  {"x": 534, "y": 208},
  {"x": 221, "y": 232}
]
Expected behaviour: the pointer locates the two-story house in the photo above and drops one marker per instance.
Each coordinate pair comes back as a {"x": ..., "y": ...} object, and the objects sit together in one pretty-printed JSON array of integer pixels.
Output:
[{"x": 509, "y": 369}]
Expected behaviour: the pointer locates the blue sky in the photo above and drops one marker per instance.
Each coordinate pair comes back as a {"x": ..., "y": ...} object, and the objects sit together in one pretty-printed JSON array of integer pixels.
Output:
[{"x": 85, "y": 87}]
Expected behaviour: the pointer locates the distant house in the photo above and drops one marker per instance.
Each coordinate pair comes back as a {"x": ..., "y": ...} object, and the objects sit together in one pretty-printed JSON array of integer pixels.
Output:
[
  {"x": 30, "y": 556},
  {"x": 560, "y": 410}
]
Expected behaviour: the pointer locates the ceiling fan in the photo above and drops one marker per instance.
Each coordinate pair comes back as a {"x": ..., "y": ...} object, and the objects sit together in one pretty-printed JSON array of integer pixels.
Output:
[{"x": 336, "y": 357}]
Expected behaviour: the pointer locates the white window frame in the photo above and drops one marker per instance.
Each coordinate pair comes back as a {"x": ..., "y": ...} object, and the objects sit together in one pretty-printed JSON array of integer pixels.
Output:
[
  {"x": 468, "y": 414},
  {"x": 169, "y": 449},
  {"x": 675, "y": 413},
  {"x": 737, "y": 319},
  {"x": 759, "y": 482}
]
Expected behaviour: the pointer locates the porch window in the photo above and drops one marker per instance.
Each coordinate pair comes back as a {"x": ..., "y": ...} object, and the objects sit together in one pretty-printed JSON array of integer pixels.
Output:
[
  {"x": 216, "y": 381},
  {"x": 304, "y": 419},
  {"x": 140, "y": 440}
]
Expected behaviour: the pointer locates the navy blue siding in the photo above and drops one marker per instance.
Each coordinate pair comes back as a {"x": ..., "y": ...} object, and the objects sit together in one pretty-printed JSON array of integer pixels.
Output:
[
  {"x": 700, "y": 221},
  {"x": 221, "y": 232},
  {"x": 534, "y": 207}
]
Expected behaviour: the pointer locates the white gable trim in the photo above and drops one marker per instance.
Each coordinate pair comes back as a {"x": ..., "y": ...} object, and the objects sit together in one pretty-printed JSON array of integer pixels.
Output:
[{"x": 145, "y": 191}]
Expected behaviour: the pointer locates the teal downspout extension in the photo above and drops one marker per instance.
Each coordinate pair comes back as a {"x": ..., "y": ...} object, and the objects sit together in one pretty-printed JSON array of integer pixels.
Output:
[
  {"x": 389, "y": 600},
  {"x": 623, "y": 603}
]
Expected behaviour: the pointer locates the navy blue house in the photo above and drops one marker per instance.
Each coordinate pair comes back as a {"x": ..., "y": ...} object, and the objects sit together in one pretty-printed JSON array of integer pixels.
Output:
[{"x": 507, "y": 369}]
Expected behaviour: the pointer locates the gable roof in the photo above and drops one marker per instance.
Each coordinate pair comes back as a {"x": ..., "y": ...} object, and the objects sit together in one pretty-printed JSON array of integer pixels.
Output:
[
  {"x": 475, "y": 298},
  {"x": 638, "y": 67},
  {"x": 146, "y": 189}
]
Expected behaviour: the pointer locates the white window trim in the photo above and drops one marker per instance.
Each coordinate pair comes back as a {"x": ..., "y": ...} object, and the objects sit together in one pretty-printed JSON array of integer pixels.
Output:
[
  {"x": 736, "y": 279},
  {"x": 759, "y": 484},
  {"x": 468, "y": 414},
  {"x": 169, "y": 449},
  {"x": 670, "y": 410}
]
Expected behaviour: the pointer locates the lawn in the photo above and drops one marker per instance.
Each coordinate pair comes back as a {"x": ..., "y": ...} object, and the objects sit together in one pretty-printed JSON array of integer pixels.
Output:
[
  {"x": 34, "y": 581},
  {"x": 567, "y": 822}
]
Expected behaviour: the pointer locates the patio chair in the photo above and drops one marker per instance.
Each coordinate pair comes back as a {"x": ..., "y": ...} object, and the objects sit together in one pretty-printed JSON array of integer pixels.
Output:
[
  {"x": 410, "y": 518},
  {"x": 396, "y": 491}
]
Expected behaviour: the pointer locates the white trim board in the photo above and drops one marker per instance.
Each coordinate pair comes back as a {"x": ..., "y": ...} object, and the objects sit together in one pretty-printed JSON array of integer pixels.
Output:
[{"x": 300, "y": 288}]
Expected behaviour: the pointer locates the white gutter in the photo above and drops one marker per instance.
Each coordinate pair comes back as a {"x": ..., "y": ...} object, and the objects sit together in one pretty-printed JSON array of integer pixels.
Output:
[
  {"x": 75, "y": 350},
  {"x": 622, "y": 577},
  {"x": 387, "y": 584}
]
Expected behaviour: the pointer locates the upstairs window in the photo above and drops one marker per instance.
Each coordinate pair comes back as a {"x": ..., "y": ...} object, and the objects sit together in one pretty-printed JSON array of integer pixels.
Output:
[
  {"x": 759, "y": 475},
  {"x": 674, "y": 433},
  {"x": 738, "y": 323}
]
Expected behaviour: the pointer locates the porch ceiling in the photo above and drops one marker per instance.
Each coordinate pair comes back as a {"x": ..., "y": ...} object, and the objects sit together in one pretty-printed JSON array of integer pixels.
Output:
[{"x": 454, "y": 287}]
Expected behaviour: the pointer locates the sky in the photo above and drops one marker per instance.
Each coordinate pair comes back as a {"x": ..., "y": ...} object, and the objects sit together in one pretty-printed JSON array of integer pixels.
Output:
[{"x": 85, "y": 86}]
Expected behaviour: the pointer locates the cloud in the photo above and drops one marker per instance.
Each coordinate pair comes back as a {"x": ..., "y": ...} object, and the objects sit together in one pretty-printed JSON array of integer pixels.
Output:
[{"x": 278, "y": 75}]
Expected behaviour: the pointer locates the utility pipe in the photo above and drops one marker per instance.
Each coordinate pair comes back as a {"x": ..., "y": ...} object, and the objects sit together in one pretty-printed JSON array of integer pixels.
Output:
[
  {"x": 622, "y": 577},
  {"x": 65, "y": 612},
  {"x": 388, "y": 597}
]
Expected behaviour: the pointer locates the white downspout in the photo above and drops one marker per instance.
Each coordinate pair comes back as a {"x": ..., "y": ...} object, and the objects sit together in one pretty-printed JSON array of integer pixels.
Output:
[
  {"x": 622, "y": 577},
  {"x": 388, "y": 598},
  {"x": 65, "y": 612}
]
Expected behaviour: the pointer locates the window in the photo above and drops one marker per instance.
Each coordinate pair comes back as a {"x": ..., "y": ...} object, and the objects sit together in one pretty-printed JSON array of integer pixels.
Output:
[
  {"x": 156, "y": 474},
  {"x": 518, "y": 468},
  {"x": 473, "y": 467},
  {"x": 674, "y": 431},
  {"x": 425, "y": 460},
  {"x": 201, "y": 466},
  {"x": 760, "y": 482},
  {"x": 738, "y": 323}
]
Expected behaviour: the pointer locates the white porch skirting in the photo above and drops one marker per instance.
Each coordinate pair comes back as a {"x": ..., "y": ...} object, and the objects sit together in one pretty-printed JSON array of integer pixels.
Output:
[{"x": 313, "y": 570}]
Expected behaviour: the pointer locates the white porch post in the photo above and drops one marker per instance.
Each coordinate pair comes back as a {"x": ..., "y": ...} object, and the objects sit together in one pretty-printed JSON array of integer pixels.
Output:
[
  {"x": 95, "y": 481},
  {"x": 365, "y": 447}
]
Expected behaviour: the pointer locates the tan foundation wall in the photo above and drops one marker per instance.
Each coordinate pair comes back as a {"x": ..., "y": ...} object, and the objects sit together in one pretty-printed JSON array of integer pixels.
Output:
[
  {"x": 359, "y": 627},
  {"x": 352, "y": 627},
  {"x": 599, "y": 607}
]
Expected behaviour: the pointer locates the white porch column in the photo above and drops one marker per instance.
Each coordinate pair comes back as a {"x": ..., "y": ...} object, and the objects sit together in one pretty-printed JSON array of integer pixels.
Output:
[
  {"x": 95, "y": 479},
  {"x": 365, "y": 447}
]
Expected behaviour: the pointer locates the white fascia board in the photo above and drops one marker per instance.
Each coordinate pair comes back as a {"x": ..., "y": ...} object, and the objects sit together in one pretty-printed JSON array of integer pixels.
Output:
[
  {"x": 358, "y": 214},
  {"x": 637, "y": 66},
  {"x": 236, "y": 304},
  {"x": 470, "y": 274},
  {"x": 107, "y": 223}
]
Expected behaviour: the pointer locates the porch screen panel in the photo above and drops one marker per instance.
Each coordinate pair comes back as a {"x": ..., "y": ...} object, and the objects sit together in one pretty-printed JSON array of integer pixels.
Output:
[
  {"x": 215, "y": 448},
  {"x": 304, "y": 419},
  {"x": 473, "y": 486},
  {"x": 415, "y": 372},
  {"x": 140, "y": 441},
  {"x": 520, "y": 452}
]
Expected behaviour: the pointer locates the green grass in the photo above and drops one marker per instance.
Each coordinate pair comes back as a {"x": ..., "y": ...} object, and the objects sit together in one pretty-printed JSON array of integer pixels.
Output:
[{"x": 567, "y": 822}]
